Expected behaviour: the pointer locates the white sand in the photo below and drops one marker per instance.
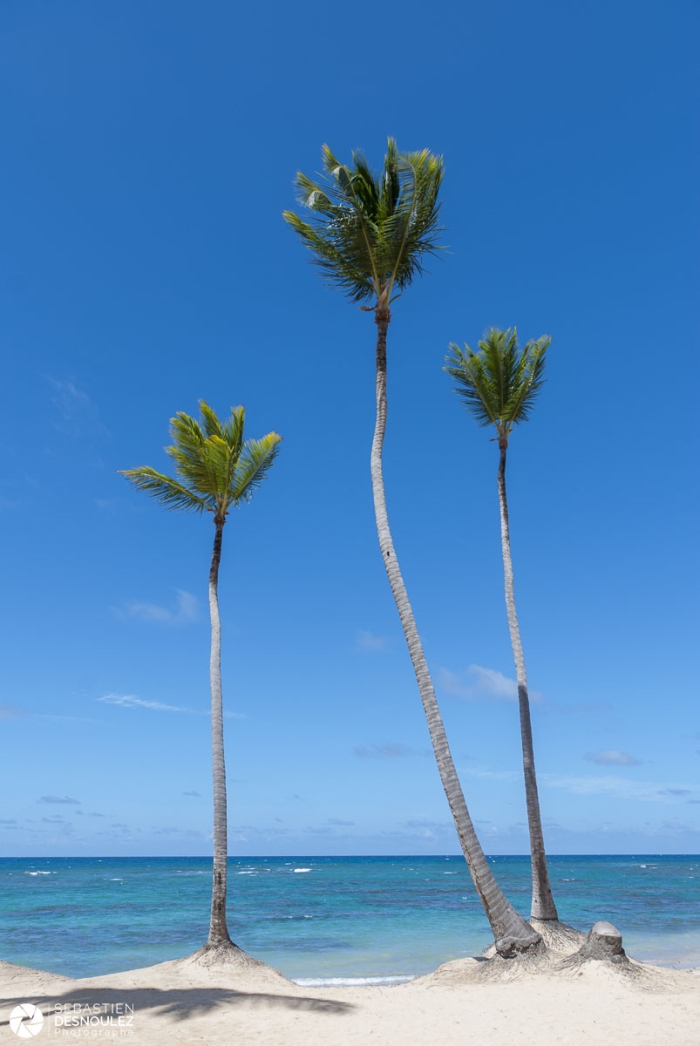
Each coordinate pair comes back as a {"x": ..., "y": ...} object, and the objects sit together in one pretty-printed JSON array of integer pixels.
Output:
[{"x": 463, "y": 1002}]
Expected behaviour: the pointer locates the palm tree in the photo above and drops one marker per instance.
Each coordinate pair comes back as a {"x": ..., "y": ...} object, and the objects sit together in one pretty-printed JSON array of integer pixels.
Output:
[
  {"x": 498, "y": 385},
  {"x": 216, "y": 470},
  {"x": 370, "y": 236}
]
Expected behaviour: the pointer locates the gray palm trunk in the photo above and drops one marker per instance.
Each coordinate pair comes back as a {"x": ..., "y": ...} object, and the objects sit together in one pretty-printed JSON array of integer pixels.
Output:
[
  {"x": 511, "y": 932},
  {"x": 218, "y": 931},
  {"x": 543, "y": 906}
]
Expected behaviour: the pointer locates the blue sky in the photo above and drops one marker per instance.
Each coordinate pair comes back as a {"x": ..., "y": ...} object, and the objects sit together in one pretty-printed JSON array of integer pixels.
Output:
[{"x": 152, "y": 146}]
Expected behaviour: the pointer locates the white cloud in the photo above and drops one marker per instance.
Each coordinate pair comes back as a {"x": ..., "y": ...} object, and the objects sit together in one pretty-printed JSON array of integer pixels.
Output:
[
  {"x": 369, "y": 642},
  {"x": 478, "y": 683},
  {"x": 58, "y": 799},
  {"x": 620, "y": 788},
  {"x": 388, "y": 751},
  {"x": 78, "y": 412},
  {"x": 611, "y": 757},
  {"x": 492, "y": 775},
  {"x": 132, "y": 701},
  {"x": 185, "y": 612}
]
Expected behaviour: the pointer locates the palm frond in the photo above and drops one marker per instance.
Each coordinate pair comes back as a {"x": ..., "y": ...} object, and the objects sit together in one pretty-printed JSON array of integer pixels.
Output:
[
  {"x": 189, "y": 451},
  {"x": 233, "y": 430},
  {"x": 499, "y": 384},
  {"x": 215, "y": 467},
  {"x": 529, "y": 379},
  {"x": 210, "y": 420},
  {"x": 472, "y": 384},
  {"x": 369, "y": 233},
  {"x": 166, "y": 490},
  {"x": 256, "y": 460}
]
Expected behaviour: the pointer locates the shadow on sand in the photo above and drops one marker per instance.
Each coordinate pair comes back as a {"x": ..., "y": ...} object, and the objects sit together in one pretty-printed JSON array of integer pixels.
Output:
[{"x": 181, "y": 1003}]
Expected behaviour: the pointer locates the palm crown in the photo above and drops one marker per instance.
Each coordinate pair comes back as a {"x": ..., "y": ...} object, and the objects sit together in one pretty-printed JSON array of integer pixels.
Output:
[
  {"x": 499, "y": 384},
  {"x": 215, "y": 467},
  {"x": 370, "y": 234}
]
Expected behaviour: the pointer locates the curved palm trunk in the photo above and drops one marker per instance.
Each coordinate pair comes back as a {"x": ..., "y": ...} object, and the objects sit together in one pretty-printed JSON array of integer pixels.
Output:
[
  {"x": 511, "y": 932},
  {"x": 543, "y": 906},
  {"x": 218, "y": 931}
]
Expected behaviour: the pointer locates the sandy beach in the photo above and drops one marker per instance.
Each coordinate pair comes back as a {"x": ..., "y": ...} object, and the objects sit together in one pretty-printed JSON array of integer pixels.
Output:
[{"x": 469, "y": 1000}]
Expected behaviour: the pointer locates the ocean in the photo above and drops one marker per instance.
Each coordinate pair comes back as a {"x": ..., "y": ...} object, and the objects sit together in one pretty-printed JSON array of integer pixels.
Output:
[{"x": 324, "y": 920}]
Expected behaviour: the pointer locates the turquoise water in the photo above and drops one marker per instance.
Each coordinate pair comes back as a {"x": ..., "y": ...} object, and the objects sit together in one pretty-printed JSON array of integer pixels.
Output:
[{"x": 319, "y": 918}]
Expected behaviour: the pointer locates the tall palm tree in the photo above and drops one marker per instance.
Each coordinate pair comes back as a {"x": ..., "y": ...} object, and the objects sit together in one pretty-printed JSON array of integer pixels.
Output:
[
  {"x": 216, "y": 470},
  {"x": 370, "y": 236},
  {"x": 498, "y": 385}
]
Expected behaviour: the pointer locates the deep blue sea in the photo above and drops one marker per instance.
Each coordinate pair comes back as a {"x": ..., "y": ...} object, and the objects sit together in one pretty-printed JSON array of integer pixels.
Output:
[{"x": 320, "y": 918}]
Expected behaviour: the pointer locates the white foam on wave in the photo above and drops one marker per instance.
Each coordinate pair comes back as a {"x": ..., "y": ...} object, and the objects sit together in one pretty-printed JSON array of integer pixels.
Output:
[
  {"x": 302, "y": 869},
  {"x": 116, "y": 880},
  {"x": 348, "y": 982},
  {"x": 247, "y": 872},
  {"x": 37, "y": 873}
]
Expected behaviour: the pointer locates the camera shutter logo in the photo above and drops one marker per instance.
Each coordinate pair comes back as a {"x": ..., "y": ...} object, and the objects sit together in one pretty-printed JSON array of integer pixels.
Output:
[{"x": 26, "y": 1020}]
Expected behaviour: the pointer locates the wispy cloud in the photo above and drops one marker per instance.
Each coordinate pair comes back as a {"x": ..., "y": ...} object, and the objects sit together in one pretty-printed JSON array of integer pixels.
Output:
[
  {"x": 388, "y": 751},
  {"x": 58, "y": 799},
  {"x": 612, "y": 757},
  {"x": 340, "y": 823},
  {"x": 619, "y": 788},
  {"x": 190, "y": 833},
  {"x": 491, "y": 775},
  {"x": 185, "y": 611},
  {"x": 427, "y": 829},
  {"x": 10, "y": 820},
  {"x": 579, "y": 708},
  {"x": 477, "y": 683},
  {"x": 194, "y": 794},
  {"x": 76, "y": 410},
  {"x": 10, "y": 712},
  {"x": 132, "y": 701},
  {"x": 368, "y": 642}
]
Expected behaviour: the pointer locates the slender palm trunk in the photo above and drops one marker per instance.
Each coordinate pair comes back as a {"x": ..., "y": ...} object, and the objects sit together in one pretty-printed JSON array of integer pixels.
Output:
[
  {"x": 511, "y": 932},
  {"x": 218, "y": 931},
  {"x": 543, "y": 906}
]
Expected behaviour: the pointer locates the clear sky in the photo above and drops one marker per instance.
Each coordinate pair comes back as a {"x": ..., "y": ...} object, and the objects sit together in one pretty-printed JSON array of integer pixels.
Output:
[{"x": 150, "y": 148}]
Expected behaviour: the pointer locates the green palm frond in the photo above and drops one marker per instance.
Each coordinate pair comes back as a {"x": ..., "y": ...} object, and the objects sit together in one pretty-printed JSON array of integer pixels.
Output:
[
  {"x": 470, "y": 383},
  {"x": 499, "y": 384},
  {"x": 166, "y": 490},
  {"x": 255, "y": 461},
  {"x": 369, "y": 233},
  {"x": 193, "y": 464},
  {"x": 215, "y": 467},
  {"x": 211, "y": 422}
]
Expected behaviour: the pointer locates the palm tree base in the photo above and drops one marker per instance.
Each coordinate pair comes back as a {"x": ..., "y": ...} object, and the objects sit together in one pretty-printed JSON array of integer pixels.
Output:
[
  {"x": 556, "y": 940},
  {"x": 558, "y": 936},
  {"x": 227, "y": 954},
  {"x": 510, "y": 948},
  {"x": 221, "y": 951}
]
